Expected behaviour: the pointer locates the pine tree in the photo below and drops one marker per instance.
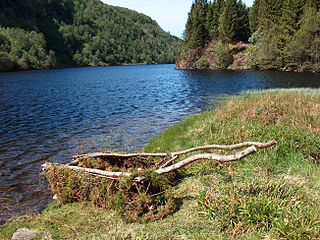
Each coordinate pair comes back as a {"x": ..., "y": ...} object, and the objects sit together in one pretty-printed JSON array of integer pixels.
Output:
[
  {"x": 242, "y": 23},
  {"x": 212, "y": 20},
  {"x": 305, "y": 47},
  {"x": 264, "y": 20},
  {"x": 227, "y": 21},
  {"x": 275, "y": 10},
  {"x": 254, "y": 16},
  {"x": 312, "y": 4},
  {"x": 221, "y": 4},
  {"x": 285, "y": 30},
  {"x": 197, "y": 35},
  {"x": 234, "y": 22},
  {"x": 188, "y": 29}
]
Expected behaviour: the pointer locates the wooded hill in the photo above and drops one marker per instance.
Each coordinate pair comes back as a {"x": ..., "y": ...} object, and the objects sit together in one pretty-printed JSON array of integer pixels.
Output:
[
  {"x": 38, "y": 34},
  {"x": 281, "y": 34}
]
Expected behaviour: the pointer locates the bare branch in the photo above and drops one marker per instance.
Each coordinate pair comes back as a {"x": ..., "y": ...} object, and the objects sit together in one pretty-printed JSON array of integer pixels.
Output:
[
  {"x": 207, "y": 147},
  {"x": 208, "y": 156},
  {"x": 251, "y": 148},
  {"x": 228, "y": 147}
]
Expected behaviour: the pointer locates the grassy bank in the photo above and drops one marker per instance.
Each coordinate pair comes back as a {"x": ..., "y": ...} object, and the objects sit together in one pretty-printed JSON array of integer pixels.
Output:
[{"x": 273, "y": 194}]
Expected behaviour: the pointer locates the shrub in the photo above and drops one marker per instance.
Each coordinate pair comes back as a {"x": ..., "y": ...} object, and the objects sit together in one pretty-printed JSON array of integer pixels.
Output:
[
  {"x": 222, "y": 55},
  {"x": 202, "y": 63}
]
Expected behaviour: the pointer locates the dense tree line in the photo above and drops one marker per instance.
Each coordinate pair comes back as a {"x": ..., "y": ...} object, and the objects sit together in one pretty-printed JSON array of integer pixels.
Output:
[
  {"x": 37, "y": 34},
  {"x": 283, "y": 34},
  {"x": 24, "y": 50},
  {"x": 217, "y": 20}
]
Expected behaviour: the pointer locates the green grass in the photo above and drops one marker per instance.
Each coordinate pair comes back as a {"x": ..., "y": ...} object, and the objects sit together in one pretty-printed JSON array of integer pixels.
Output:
[{"x": 273, "y": 194}]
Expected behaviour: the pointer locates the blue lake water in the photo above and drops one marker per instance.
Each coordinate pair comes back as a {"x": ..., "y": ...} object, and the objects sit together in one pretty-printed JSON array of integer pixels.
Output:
[{"x": 54, "y": 114}]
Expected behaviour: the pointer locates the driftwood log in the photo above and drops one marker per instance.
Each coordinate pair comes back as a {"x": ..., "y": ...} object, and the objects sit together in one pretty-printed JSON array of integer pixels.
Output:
[{"x": 251, "y": 147}]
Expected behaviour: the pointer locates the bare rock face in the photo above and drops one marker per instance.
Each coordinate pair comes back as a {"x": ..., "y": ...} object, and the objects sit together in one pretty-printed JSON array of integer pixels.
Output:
[
  {"x": 188, "y": 60},
  {"x": 27, "y": 234},
  {"x": 184, "y": 64},
  {"x": 240, "y": 62},
  {"x": 24, "y": 234}
]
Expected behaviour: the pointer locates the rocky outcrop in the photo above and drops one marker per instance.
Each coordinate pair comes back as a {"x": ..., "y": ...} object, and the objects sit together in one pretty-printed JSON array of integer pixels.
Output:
[
  {"x": 184, "y": 64},
  {"x": 239, "y": 62},
  {"x": 27, "y": 234},
  {"x": 188, "y": 59},
  {"x": 207, "y": 59}
]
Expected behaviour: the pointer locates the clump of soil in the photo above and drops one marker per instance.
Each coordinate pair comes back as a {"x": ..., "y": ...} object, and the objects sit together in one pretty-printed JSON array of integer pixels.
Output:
[
  {"x": 116, "y": 164},
  {"x": 147, "y": 200}
]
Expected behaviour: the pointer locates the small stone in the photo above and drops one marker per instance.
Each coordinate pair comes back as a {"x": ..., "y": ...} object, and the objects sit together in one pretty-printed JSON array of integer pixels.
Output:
[{"x": 24, "y": 234}]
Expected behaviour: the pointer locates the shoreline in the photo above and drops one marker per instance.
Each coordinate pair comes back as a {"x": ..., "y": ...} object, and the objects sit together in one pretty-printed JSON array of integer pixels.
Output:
[
  {"x": 250, "y": 69},
  {"x": 246, "y": 69},
  {"x": 183, "y": 64},
  {"x": 88, "y": 66}
]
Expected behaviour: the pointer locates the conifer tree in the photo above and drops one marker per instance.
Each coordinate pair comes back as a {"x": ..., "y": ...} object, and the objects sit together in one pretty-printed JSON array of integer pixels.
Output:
[
  {"x": 212, "y": 19},
  {"x": 242, "y": 23},
  {"x": 197, "y": 35},
  {"x": 188, "y": 29},
  {"x": 227, "y": 21},
  {"x": 275, "y": 10},
  {"x": 305, "y": 47},
  {"x": 254, "y": 16},
  {"x": 264, "y": 20},
  {"x": 284, "y": 32},
  {"x": 221, "y": 4},
  {"x": 286, "y": 28}
]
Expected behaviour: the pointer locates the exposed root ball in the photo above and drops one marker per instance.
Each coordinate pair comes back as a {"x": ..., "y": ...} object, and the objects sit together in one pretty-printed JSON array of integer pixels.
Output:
[{"x": 148, "y": 200}]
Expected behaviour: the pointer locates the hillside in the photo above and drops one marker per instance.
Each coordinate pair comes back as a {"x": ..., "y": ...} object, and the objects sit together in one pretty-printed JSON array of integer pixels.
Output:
[
  {"x": 37, "y": 34},
  {"x": 272, "y": 34}
]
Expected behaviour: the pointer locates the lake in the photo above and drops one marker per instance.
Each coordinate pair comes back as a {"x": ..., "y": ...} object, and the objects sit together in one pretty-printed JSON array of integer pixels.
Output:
[{"x": 53, "y": 114}]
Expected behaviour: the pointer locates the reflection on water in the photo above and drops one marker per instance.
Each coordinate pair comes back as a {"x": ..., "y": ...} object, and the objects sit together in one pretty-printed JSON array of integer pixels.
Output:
[{"x": 51, "y": 115}]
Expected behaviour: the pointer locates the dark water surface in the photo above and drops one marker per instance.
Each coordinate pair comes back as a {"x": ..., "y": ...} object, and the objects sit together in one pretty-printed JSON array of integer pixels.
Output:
[{"x": 51, "y": 115}]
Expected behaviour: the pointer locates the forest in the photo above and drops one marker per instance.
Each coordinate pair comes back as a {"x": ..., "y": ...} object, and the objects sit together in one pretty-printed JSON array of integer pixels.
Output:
[
  {"x": 272, "y": 34},
  {"x": 39, "y": 34}
]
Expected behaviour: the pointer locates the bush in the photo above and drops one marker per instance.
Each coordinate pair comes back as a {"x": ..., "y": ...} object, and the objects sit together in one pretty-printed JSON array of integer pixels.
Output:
[
  {"x": 222, "y": 55},
  {"x": 202, "y": 63}
]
